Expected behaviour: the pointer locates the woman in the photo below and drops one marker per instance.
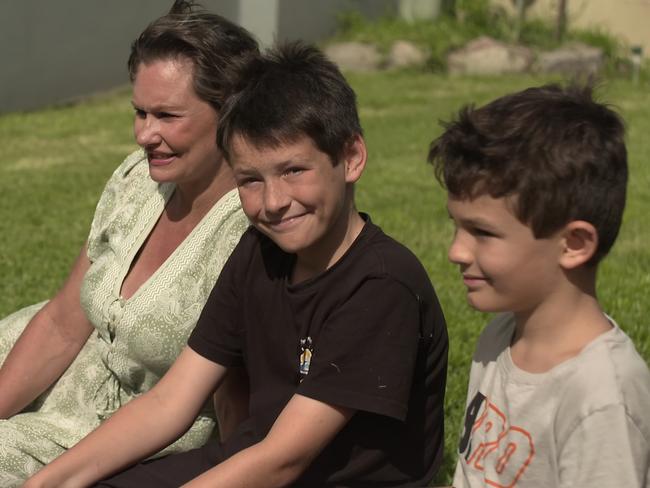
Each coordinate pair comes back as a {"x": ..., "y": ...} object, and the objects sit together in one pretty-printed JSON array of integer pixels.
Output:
[{"x": 164, "y": 226}]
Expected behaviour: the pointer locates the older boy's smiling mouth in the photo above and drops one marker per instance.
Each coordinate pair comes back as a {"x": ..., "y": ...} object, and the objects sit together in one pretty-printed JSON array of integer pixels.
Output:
[{"x": 284, "y": 223}]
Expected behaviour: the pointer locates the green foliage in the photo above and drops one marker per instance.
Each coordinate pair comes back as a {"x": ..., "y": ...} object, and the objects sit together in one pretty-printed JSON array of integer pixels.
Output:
[
  {"x": 437, "y": 37},
  {"x": 473, "y": 18},
  {"x": 55, "y": 162}
]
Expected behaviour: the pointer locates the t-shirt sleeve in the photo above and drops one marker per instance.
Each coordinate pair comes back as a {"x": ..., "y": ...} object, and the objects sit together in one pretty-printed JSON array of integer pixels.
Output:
[
  {"x": 218, "y": 335},
  {"x": 605, "y": 449},
  {"x": 365, "y": 354}
]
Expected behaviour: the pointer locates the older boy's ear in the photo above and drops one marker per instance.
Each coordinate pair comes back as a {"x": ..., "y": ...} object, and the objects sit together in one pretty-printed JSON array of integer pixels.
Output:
[
  {"x": 354, "y": 158},
  {"x": 579, "y": 244}
]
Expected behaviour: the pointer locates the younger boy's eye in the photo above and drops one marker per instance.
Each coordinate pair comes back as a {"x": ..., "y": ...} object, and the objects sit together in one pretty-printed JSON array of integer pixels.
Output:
[{"x": 482, "y": 232}]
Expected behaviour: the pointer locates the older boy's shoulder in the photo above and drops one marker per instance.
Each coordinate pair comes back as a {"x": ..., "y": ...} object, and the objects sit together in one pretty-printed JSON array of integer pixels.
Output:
[{"x": 389, "y": 256}]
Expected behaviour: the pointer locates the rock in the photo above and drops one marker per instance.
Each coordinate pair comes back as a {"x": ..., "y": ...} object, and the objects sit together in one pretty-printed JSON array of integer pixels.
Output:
[
  {"x": 485, "y": 55},
  {"x": 573, "y": 60},
  {"x": 404, "y": 54},
  {"x": 354, "y": 56}
]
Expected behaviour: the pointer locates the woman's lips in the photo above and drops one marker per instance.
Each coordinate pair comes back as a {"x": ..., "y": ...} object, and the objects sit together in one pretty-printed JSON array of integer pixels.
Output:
[{"x": 160, "y": 159}]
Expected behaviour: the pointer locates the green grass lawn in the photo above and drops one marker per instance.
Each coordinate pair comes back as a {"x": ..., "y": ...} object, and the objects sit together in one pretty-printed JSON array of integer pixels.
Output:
[{"x": 54, "y": 163}]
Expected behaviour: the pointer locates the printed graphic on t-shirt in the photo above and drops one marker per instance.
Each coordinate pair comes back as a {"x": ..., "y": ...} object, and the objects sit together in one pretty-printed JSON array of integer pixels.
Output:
[
  {"x": 500, "y": 451},
  {"x": 305, "y": 356}
]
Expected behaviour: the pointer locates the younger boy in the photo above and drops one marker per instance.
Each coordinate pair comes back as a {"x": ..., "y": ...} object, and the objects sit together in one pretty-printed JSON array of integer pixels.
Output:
[
  {"x": 558, "y": 395},
  {"x": 337, "y": 324}
]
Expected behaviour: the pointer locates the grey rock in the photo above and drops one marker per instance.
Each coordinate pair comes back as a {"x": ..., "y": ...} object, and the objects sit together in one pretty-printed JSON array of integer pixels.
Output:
[
  {"x": 485, "y": 55},
  {"x": 572, "y": 60},
  {"x": 403, "y": 54},
  {"x": 354, "y": 56}
]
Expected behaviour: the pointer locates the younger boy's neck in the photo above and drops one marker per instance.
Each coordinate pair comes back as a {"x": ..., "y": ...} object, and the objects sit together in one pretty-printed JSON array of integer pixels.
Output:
[
  {"x": 557, "y": 330},
  {"x": 327, "y": 252}
]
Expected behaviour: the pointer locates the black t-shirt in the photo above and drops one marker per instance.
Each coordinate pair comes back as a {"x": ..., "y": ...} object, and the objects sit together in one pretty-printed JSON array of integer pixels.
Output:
[{"x": 372, "y": 335}]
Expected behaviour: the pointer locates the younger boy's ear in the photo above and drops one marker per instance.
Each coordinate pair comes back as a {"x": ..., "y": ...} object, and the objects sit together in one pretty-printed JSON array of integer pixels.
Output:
[
  {"x": 580, "y": 242},
  {"x": 354, "y": 158}
]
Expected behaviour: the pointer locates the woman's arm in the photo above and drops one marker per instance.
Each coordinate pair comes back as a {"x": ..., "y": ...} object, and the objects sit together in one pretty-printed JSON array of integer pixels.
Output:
[
  {"x": 139, "y": 429},
  {"x": 47, "y": 346}
]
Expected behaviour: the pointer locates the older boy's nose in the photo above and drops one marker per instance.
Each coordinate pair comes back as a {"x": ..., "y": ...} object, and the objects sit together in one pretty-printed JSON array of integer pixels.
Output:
[{"x": 275, "y": 198}]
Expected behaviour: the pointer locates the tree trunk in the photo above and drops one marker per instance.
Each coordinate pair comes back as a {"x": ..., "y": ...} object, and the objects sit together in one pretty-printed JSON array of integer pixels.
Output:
[{"x": 560, "y": 29}]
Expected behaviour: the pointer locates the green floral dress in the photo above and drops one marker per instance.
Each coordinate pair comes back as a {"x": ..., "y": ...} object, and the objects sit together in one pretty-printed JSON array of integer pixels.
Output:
[{"x": 136, "y": 340}]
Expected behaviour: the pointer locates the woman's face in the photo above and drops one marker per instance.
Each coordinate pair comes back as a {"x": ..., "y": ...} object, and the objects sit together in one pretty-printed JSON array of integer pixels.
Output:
[{"x": 176, "y": 129}]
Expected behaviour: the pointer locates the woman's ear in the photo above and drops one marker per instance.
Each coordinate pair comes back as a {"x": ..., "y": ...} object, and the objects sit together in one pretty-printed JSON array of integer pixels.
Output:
[
  {"x": 354, "y": 158},
  {"x": 579, "y": 244}
]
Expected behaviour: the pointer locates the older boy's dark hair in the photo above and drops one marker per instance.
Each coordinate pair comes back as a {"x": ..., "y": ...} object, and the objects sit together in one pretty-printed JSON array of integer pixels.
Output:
[
  {"x": 291, "y": 91},
  {"x": 559, "y": 152},
  {"x": 211, "y": 42}
]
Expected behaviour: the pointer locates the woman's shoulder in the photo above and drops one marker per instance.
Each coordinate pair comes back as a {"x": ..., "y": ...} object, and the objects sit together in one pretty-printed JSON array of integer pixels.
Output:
[{"x": 133, "y": 164}]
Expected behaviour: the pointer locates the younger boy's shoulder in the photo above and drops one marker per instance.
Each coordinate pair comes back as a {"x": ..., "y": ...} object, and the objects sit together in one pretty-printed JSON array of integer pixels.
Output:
[{"x": 610, "y": 372}]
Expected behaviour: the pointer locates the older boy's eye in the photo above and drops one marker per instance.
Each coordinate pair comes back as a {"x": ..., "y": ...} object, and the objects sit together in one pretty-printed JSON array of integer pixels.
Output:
[
  {"x": 247, "y": 181},
  {"x": 293, "y": 171},
  {"x": 141, "y": 114}
]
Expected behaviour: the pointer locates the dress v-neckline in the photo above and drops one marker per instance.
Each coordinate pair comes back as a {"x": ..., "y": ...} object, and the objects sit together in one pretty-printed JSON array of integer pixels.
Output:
[{"x": 166, "y": 192}]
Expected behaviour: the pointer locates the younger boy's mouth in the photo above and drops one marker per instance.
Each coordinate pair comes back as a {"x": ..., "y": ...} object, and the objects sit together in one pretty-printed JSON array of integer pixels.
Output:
[{"x": 472, "y": 281}]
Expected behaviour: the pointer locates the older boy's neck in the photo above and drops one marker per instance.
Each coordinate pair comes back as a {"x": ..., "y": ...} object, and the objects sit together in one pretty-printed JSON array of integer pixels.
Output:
[
  {"x": 197, "y": 198},
  {"x": 316, "y": 261},
  {"x": 557, "y": 330}
]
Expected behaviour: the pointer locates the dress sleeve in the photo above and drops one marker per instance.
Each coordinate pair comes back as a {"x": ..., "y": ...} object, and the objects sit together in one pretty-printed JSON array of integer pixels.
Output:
[
  {"x": 606, "y": 449},
  {"x": 109, "y": 199},
  {"x": 365, "y": 354}
]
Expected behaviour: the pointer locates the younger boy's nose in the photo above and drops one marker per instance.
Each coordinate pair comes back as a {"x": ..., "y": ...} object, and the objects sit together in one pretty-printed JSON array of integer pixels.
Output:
[{"x": 459, "y": 250}]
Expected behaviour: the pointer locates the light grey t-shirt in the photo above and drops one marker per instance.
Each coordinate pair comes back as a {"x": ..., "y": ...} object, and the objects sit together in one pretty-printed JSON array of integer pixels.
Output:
[{"x": 584, "y": 423}]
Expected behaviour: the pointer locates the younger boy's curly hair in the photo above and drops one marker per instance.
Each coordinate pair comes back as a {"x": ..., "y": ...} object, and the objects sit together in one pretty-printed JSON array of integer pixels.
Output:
[{"x": 560, "y": 154}]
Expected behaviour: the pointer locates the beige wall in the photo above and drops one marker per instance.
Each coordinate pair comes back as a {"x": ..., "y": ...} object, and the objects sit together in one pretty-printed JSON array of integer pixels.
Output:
[{"x": 628, "y": 19}]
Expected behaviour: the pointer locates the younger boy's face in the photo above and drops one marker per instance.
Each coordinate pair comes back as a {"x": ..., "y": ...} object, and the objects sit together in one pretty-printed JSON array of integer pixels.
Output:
[
  {"x": 293, "y": 194},
  {"x": 503, "y": 266}
]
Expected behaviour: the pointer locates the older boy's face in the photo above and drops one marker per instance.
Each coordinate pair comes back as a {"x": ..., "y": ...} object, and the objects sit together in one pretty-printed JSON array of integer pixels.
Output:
[
  {"x": 503, "y": 266},
  {"x": 293, "y": 194}
]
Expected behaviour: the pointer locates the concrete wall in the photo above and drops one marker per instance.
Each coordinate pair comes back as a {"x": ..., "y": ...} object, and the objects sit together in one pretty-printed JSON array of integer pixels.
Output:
[
  {"x": 54, "y": 51},
  {"x": 627, "y": 19}
]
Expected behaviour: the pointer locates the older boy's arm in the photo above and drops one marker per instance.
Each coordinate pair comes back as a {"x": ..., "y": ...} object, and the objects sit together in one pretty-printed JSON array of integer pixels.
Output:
[
  {"x": 302, "y": 430},
  {"x": 138, "y": 429}
]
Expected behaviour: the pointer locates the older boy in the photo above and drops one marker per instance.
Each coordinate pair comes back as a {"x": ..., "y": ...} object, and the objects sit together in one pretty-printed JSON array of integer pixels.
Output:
[
  {"x": 558, "y": 395},
  {"x": 336, "y": 323}
]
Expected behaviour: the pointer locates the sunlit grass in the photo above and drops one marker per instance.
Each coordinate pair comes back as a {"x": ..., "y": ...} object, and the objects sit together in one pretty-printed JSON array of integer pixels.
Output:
[{"x": 54, "y": 163}]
